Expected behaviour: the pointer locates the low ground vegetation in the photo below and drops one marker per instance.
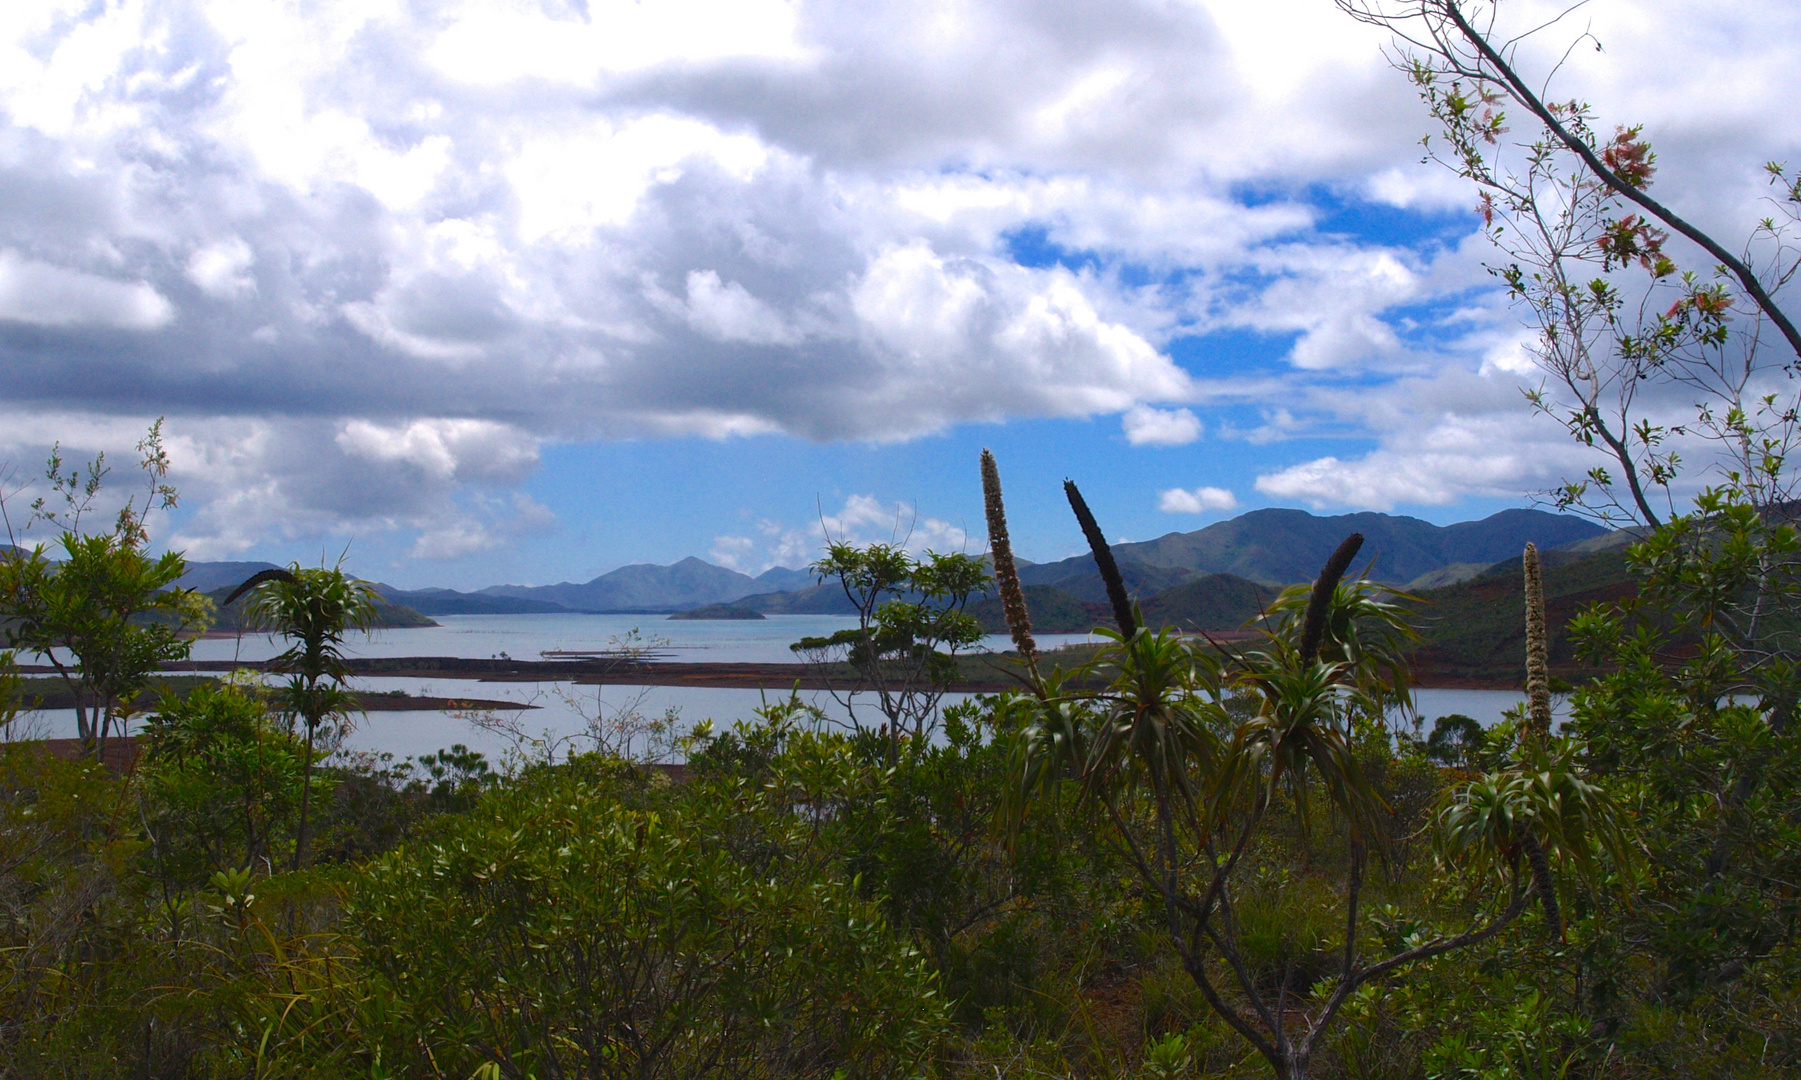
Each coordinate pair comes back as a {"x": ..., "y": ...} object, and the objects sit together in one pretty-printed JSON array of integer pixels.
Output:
[
  {"x": 805, "y": 906},
  {"x": 1155, "y": 860}
]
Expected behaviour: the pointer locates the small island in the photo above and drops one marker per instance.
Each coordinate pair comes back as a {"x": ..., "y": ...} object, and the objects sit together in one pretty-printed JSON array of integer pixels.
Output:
[{"x": 719, "y": 611}]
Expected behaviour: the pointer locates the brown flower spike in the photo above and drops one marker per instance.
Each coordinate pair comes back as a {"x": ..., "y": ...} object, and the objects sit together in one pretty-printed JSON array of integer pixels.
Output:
[
  {"x": 1319, "y": 603},
  {"x": 1006, "y": 575},
  {"x": 1103, "y": 561}
]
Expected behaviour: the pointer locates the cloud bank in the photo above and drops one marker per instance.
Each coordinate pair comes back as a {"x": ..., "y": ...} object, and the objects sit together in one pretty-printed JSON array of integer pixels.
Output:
[{"x": 373, "y": 256}]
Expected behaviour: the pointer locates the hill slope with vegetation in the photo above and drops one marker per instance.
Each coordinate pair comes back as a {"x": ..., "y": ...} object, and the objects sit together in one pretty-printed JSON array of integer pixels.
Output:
[
  {"x": 1474, "y": 630},
  {"x": 1053, "y": 611},
  {"x": 1471, "y": 632},
  {"x": 1279, "y": 547},
  {"x": 388, "y": 615}
]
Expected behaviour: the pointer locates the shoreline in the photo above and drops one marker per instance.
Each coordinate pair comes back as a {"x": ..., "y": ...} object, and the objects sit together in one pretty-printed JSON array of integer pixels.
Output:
[
  {"x": 701, "y": 674},
  {"x": 50, "y": 693}
]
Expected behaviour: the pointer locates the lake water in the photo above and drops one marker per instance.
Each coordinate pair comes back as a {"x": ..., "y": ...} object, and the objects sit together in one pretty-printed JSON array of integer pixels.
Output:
[
  {"x": 565, "y": 709},
  {"x": 523, "y": 637}
]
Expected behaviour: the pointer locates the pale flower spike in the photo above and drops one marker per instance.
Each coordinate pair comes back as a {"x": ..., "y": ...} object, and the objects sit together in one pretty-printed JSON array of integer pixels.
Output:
[{"x": 1538, "y": 657}]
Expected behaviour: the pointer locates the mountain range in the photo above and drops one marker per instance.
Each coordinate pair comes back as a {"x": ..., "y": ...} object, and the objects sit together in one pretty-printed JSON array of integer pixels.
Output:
[
  {"x": 1214, "y": 580},
  {"x": 1281, "y": 547},
  {"x": 1252, "y": 554},
  {"x": 1264, "y": 548}
]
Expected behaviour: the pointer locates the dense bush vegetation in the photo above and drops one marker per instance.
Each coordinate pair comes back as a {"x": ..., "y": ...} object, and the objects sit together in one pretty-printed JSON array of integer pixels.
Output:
[
  {"x": 1173, "y": 862},
  {"x": 800, "y": 907},
  {"x": 807, "y": 903}
]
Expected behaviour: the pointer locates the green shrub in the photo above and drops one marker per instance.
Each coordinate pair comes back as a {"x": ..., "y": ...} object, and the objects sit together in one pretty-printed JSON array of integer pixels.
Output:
[
  {"x": 567, "y": 934},
  {"x": 221, "y": 784}
]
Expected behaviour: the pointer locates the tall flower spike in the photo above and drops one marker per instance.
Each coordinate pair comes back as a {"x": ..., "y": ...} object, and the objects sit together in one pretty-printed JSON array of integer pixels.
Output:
[
  {"x": 1006, "y": 575},
  {"x": 1319, "y": 604},
  {"x": 1538, "y": 657},
  {"x": 1103, "y": 560}
]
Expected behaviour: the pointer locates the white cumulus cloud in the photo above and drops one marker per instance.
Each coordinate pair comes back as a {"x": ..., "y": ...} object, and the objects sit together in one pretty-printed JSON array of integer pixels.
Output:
[
  {"x": 731, "y": 551},
  {"x": 1198, "y": 501},
  {"x": 1145, "y": 426},
  {"x": 726, "y": 312},
  {"x": 445, "y": 449}
]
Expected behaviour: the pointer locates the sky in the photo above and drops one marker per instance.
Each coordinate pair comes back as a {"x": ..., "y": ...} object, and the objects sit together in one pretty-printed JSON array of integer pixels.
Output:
[{"x": 491, "y": 291}]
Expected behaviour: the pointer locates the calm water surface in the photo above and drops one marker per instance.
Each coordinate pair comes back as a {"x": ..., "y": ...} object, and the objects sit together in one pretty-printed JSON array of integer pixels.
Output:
[
  {"x": 565, "y": 709},
  {"x": 562, "y": 709}
]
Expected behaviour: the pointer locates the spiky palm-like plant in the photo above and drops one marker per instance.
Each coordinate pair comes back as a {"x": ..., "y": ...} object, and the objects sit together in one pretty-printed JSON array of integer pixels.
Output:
[
  {"x": 1188, "y": 792},
  {"x": 1103, "y": 561},
  {"x": 1538, "y": 808},
  {"x": 1544, "y": 798},
  {"x": 314, "y": 609},
  {"x": 1363, "y": 626}
]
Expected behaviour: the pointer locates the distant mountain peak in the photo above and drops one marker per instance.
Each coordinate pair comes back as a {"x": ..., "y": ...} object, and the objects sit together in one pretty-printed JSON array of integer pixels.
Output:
[
  {"x": 1281, "y": 546},
  {"x": 1269, "y": 546}
]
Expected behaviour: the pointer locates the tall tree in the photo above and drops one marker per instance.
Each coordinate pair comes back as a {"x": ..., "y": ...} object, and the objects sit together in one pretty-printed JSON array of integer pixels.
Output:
[
  {"x": 99, "y": 607},
  {"x": 1703, "y": 666},
  {"x": 1589, "y": 257}
]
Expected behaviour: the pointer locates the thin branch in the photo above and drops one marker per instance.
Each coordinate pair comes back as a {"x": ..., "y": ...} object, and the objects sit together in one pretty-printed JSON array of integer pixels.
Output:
[{"x": 1525, "y": 96}]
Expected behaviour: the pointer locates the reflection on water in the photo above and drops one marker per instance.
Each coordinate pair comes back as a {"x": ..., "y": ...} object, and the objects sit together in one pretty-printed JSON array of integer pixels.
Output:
[
  {"x": 564, "y": 709},
  {"x": 523, "y": 637},
  {"x": 563, "y": 712}
]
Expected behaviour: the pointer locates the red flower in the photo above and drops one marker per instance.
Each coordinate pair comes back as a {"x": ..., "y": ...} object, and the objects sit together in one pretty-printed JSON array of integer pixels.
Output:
[{"x": 1630, "y": 157}]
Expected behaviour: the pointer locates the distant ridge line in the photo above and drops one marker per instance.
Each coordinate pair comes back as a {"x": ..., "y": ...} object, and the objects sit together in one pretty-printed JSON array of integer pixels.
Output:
[{"x": 1268, "y": 547}]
